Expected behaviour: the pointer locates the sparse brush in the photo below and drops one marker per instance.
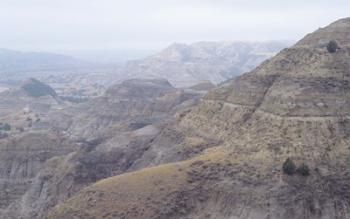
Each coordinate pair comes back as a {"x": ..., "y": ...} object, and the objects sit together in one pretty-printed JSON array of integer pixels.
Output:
[
  {"x": 289, "y": 167},
  {"x": 332, "y": 46},
  {"x": 303, "y": 170}
]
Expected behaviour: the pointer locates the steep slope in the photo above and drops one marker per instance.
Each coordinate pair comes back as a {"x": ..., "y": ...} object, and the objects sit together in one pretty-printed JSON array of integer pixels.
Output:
[
  {"x": 295, "y": 105},
  {"x": 22, "y": 157},
  {"x": 186, "y": 65},
  {"x": 25, "y": 144},
  {"x": 338, "y": 31}
]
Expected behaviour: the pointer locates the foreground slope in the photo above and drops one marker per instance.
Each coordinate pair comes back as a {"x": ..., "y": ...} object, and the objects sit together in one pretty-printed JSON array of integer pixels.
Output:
[{"x": 295, "y": 105}]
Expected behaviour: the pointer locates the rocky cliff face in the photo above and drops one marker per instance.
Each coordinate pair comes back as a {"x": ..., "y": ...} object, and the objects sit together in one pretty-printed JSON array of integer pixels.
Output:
[
  {"x": 27, "y": 146},
  {"x": 22, "y": 158},
  {"x": 294, "y": 106}
]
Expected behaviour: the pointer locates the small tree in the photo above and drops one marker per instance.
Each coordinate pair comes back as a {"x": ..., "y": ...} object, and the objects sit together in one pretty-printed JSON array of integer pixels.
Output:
[
  {"x": 289, "y": 167},
  {"x": 332, "y": 46},
  {"x": 303, "y": 170},
  {"x": 7, "y": 127}
]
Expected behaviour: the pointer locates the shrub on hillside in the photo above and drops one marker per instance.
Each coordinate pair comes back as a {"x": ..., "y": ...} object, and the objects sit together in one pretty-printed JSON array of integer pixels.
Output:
[
  {"x": 332, "y": 46},
  {"x": 303, "y": 170},
  {"x": 5, "y": 126},
  {"x": 289, "y": 167}
]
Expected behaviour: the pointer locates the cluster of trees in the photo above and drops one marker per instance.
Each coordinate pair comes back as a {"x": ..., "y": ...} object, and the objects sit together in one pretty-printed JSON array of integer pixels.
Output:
[
  {"x": 290, "y": 168},
  {"x": 332, "y": 46}
]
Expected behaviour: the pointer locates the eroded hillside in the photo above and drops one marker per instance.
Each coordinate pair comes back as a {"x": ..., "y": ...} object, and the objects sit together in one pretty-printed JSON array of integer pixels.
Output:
[
  {"x": 294, "y": 106},
  {"x": 51, "y": 153}
]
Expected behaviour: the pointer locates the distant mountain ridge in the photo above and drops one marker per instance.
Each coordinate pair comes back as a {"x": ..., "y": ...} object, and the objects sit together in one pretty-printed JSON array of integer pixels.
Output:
[
  {"x": 182, "y": 65},
  {"x": 54, "y": 69},
  {"x": 186, "y": 65},
  {"x": 12, "y": 61}
]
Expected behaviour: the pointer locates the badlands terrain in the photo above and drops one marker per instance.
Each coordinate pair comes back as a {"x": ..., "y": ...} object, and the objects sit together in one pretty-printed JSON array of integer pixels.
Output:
[
  {"x": 295, "y": 105},
  {"x": 271, "y": 143},
  {"x": 182, "y": 65}
]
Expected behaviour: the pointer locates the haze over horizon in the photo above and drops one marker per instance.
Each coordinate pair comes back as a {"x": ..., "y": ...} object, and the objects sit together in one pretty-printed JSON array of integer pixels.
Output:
[
  {"x": 174, "y": 109},
  {"x": 39, "y": 25}
]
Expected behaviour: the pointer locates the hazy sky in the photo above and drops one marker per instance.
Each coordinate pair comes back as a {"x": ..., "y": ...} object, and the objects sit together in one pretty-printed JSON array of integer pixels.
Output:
[{"x": 49, "y": 25}]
